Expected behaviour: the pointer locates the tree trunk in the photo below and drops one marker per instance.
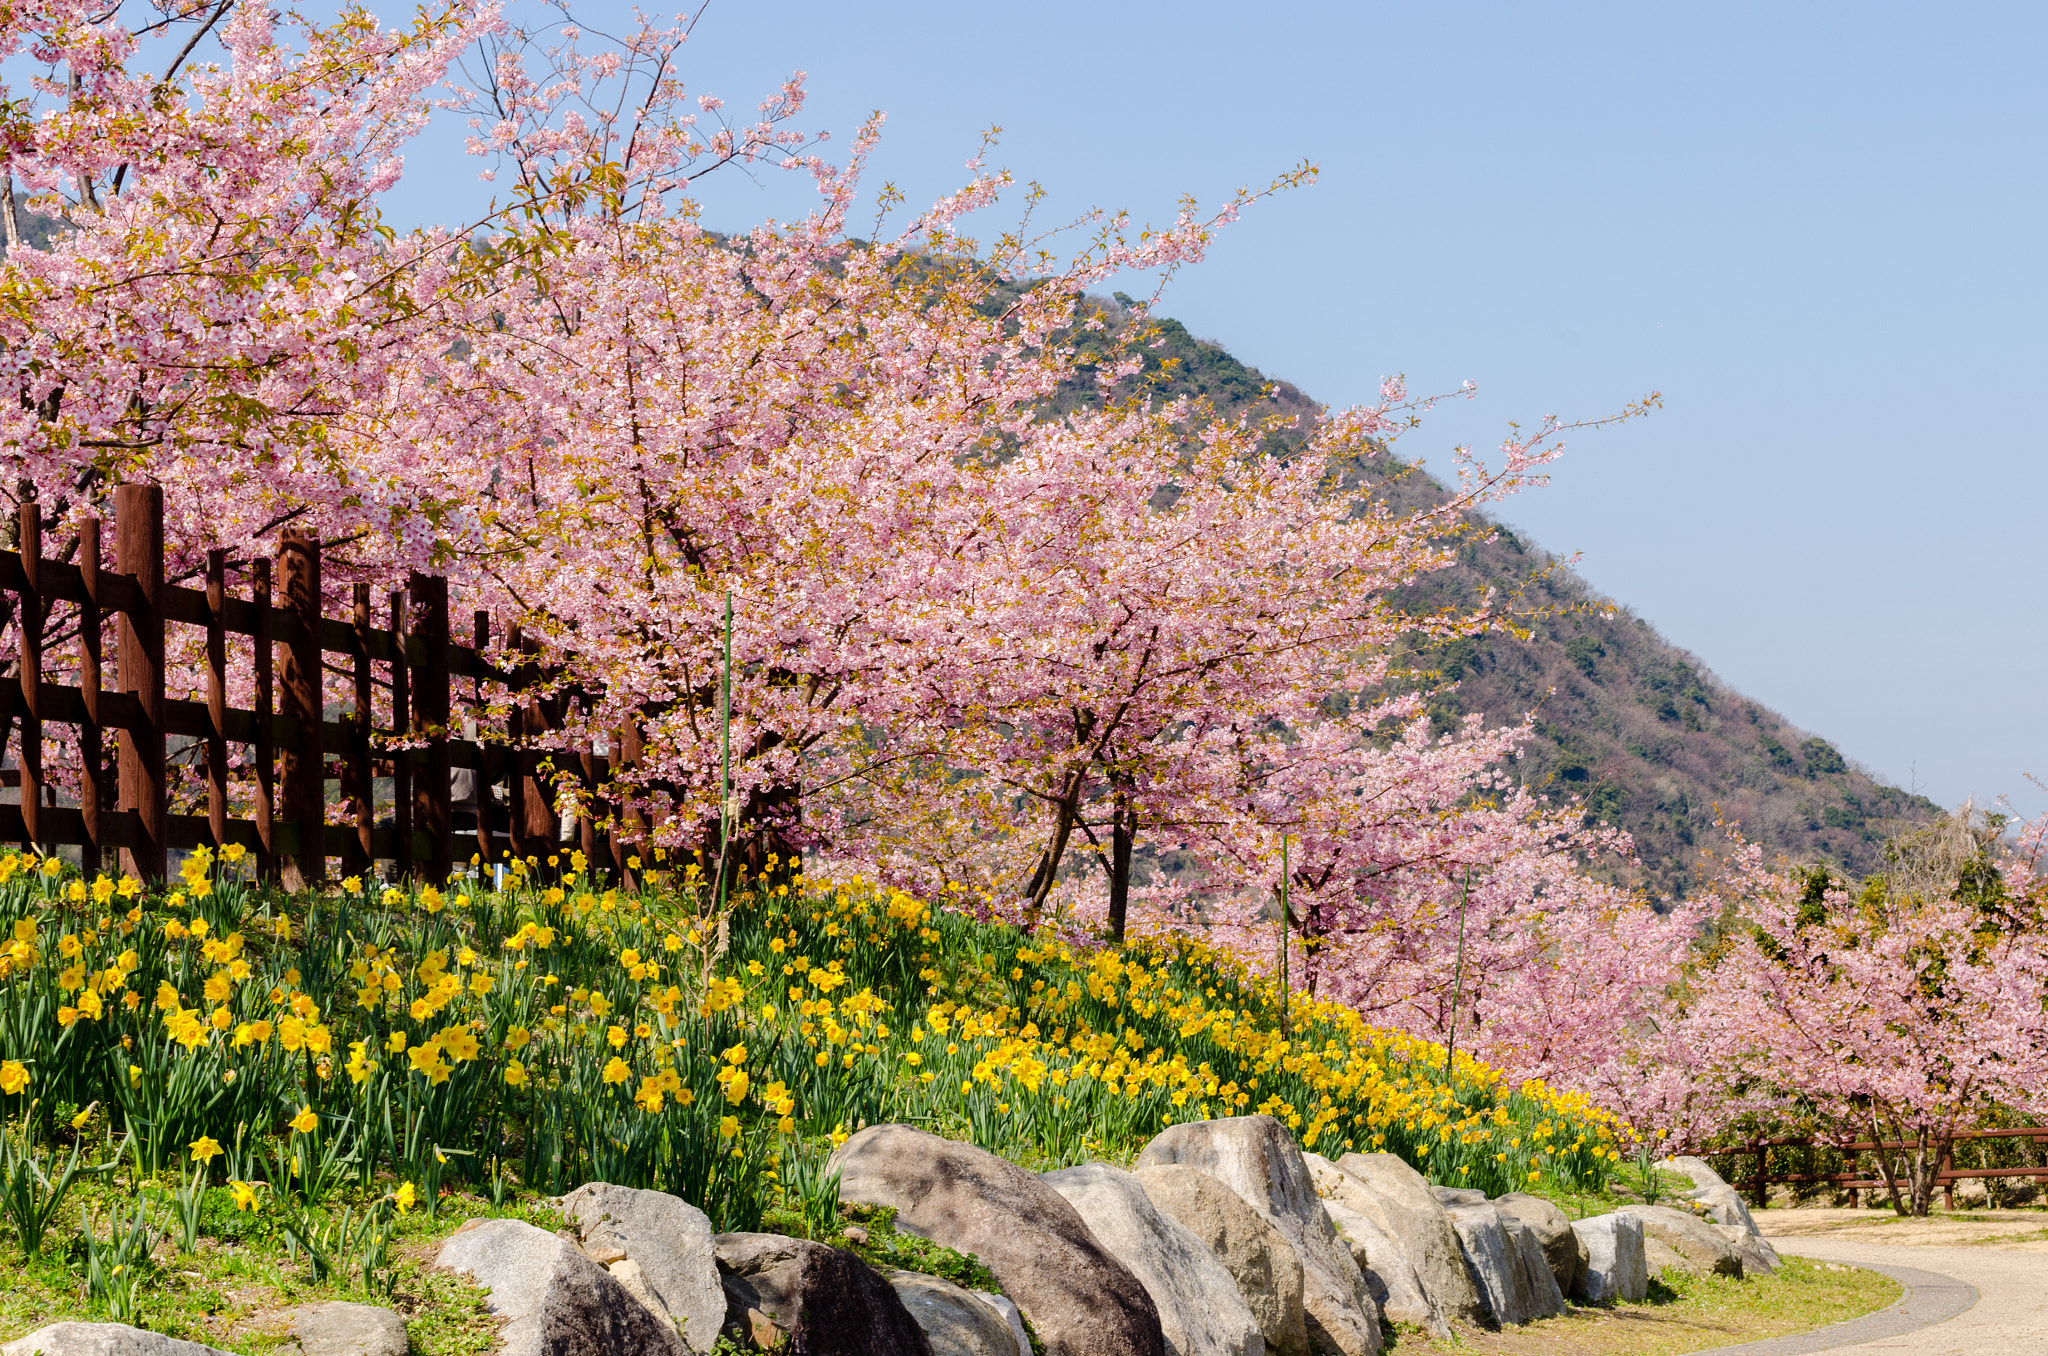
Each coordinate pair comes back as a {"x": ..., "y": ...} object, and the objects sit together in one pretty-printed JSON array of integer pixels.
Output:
[
  {"x": 1123, "y": 830},
  {"x": 1040, "y": 888},
  {"x": 1930, "y": 1155},
  {"x": 1885, "y": 1165}
]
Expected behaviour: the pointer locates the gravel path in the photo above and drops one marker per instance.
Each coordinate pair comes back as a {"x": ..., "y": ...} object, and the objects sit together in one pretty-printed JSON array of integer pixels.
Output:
[{"x": 2009, "y": 1315}]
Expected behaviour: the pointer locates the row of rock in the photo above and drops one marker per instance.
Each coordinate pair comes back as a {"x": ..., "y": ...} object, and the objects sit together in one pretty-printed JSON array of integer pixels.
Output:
[{"x": 1224, "y": 1240}]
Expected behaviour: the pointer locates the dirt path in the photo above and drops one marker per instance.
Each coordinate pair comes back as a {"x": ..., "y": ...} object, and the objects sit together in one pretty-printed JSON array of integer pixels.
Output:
[{"x": 2002, "y": 1254}]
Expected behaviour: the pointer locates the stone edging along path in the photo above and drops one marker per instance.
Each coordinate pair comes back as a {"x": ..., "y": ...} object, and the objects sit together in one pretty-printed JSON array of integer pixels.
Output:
[{"x": 1930, "y": 1298}]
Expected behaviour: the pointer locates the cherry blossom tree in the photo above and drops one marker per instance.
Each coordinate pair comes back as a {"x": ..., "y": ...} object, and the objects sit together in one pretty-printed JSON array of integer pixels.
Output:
[
  {"x": 1900, "y": 1011},
  {"x": 975, "y": 622}
]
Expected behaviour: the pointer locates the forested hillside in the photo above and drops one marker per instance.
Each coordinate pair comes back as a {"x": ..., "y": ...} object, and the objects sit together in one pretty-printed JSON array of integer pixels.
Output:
[{"x": 1635, "y": 729}]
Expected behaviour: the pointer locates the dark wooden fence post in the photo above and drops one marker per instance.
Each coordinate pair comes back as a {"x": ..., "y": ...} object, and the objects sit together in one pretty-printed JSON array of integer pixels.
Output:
[
  {"x": 30, "y": 664},
  {"x": 586, "y": 822},
  {"x": 265, "y": 654},
  {"x": 516, "y": 779},
  {"x": 217, "y": 696},
  {"x": 486, "y": 764},
  {"x": 431, "y": 710},
  {"x": 401, "y": 726},
  {"x": 361, "y": 784},
  {"x": 139, "y": 553},
  {"x": 632, "y": 749},
  {"x": 304, "y": 768},
  {"x": 128, "y": 806},
  {"x": 92, "y": 755},
  {"x": 542, "y": 830}
]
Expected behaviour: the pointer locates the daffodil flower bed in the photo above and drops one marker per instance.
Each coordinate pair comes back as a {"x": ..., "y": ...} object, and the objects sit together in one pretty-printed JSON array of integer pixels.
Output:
[{"x": 383, "y": 1043}]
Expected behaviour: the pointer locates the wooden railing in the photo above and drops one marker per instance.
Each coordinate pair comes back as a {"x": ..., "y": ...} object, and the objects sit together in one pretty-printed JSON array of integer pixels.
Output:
[
  {"x": 1854, "y": 1182},
  {"x": 292, "y": 746}
]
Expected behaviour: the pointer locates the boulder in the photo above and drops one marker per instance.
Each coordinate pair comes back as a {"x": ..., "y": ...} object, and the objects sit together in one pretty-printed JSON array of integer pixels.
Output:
[
  {"x": 1616, "y": 1268},
  {"x": 1541, "y": 1295},
  {"x": 1200, "y": 1310},
  {"x": 1448, "y": 1197},
  {"x": 1701, "y": 1171},
  {"x": 1562, "y": 1250},
  {"x": 1485, "y": 1244},
  {"x": 1256, "y": 1157},
  {"x": 1388, "y": 1274},
  {"x": 1724, "y": 1204},
  {"x": 342, "y": 1329},
  {"x": 1691, "y": 1237},
  {"x": 668, "y": 1264},
  {"x": 1396, "y": 1197},
  {"x": 1507, "y": 1265},
  {"x": 956, "y": 1322},
  {"x": 1395, "y": 1284},
  {"x": 1757, "y": 1254},
  {"x": 1080, "y": 1299},
  {"x": 1013, "y": 1317},
  {"x": 1255, "y": 1253},
  {"x": 1661, "y": 1257},
  {"x": 102, "y": 1339},
  {"x": 803, "y": 1297},
  {"x": 554, "y": 1299}
]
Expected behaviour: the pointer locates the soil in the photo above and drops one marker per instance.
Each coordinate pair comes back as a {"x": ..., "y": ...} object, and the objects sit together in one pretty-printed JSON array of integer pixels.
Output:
[{"x": 2007, "y": 1230}]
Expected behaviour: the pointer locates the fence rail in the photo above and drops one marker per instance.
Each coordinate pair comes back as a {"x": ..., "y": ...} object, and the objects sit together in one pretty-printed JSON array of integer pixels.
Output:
[
  {"x": 294, "y": 749},
  {"x": 1946, "y": 1177}
]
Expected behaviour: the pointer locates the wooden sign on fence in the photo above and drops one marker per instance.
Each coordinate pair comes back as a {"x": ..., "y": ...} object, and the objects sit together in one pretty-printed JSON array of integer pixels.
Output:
[{"x": 437, "y": 775}]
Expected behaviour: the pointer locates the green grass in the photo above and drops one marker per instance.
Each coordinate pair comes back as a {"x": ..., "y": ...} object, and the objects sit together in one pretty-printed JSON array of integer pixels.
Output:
[
  {"x": 236, "y": 1291},
  {"x": 1671, "y": 1189},
  {"x": 1684, "y": 1313}
]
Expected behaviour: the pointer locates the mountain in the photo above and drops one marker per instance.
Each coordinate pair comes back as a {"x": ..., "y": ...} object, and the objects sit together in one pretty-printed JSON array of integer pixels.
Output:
[{"x": 1636, "y": 731}]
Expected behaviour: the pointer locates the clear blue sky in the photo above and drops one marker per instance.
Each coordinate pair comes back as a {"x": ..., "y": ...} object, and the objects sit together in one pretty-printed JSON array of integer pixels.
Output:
[{"x": 1815, "y": 228}]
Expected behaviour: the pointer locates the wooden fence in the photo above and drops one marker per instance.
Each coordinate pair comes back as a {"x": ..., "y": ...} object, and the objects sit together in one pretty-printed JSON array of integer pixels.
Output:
[
  {"x": 1760, "y": 1181},
  {"x": 294, "y": 749}
]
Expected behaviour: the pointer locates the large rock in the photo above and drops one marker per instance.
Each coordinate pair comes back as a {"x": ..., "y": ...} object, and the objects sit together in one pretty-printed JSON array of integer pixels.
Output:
[
  {"x": 1616, "y": 1268},
  {"x": 1485, "y": 1244},
  {"x": 1660, "y": 1257},
  {"x": 1541, "y": 1295},
  {"x": 1698, "y": 1169},
  {"x": 343, "y": 1329},
  {"x": 1388, "y": 1274},
  {"x": 1758, "y": 1257},
  {"x": 1200, "y": 1310},
  {"x": 1562, "y": 1250},
  {"x": 1507, "y": 1265},
  {"x": 1694, "y": 1239},
  {"x": 1724, "y": 1204},
  {"x": 816, "y": 1300},
  {"x": 956, "y": 1322},
  {"x": 1258, "y": 1256},
  {"x": 1395, "y": 1284},
  {"x": 554, "y": 1299},
  {"x": 669, "y": 1260},
  {"x": 1080, "y": 1299},
  {"x": 1013, "y": 1317},
  {"x": 1452, "y": 1197},
  {"x": 1398, "y": 1199},
  {"x": 1257, "y": 1158},
  {"x": 103, "y": 1339}
]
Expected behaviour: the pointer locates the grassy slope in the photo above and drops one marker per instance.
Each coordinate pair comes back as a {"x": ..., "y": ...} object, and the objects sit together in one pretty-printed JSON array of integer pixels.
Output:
[
  {"x": 796, "y": 1018},
  {"x": 1685, "y": 1314},
  {"x": 1043, "y": 1053}
]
